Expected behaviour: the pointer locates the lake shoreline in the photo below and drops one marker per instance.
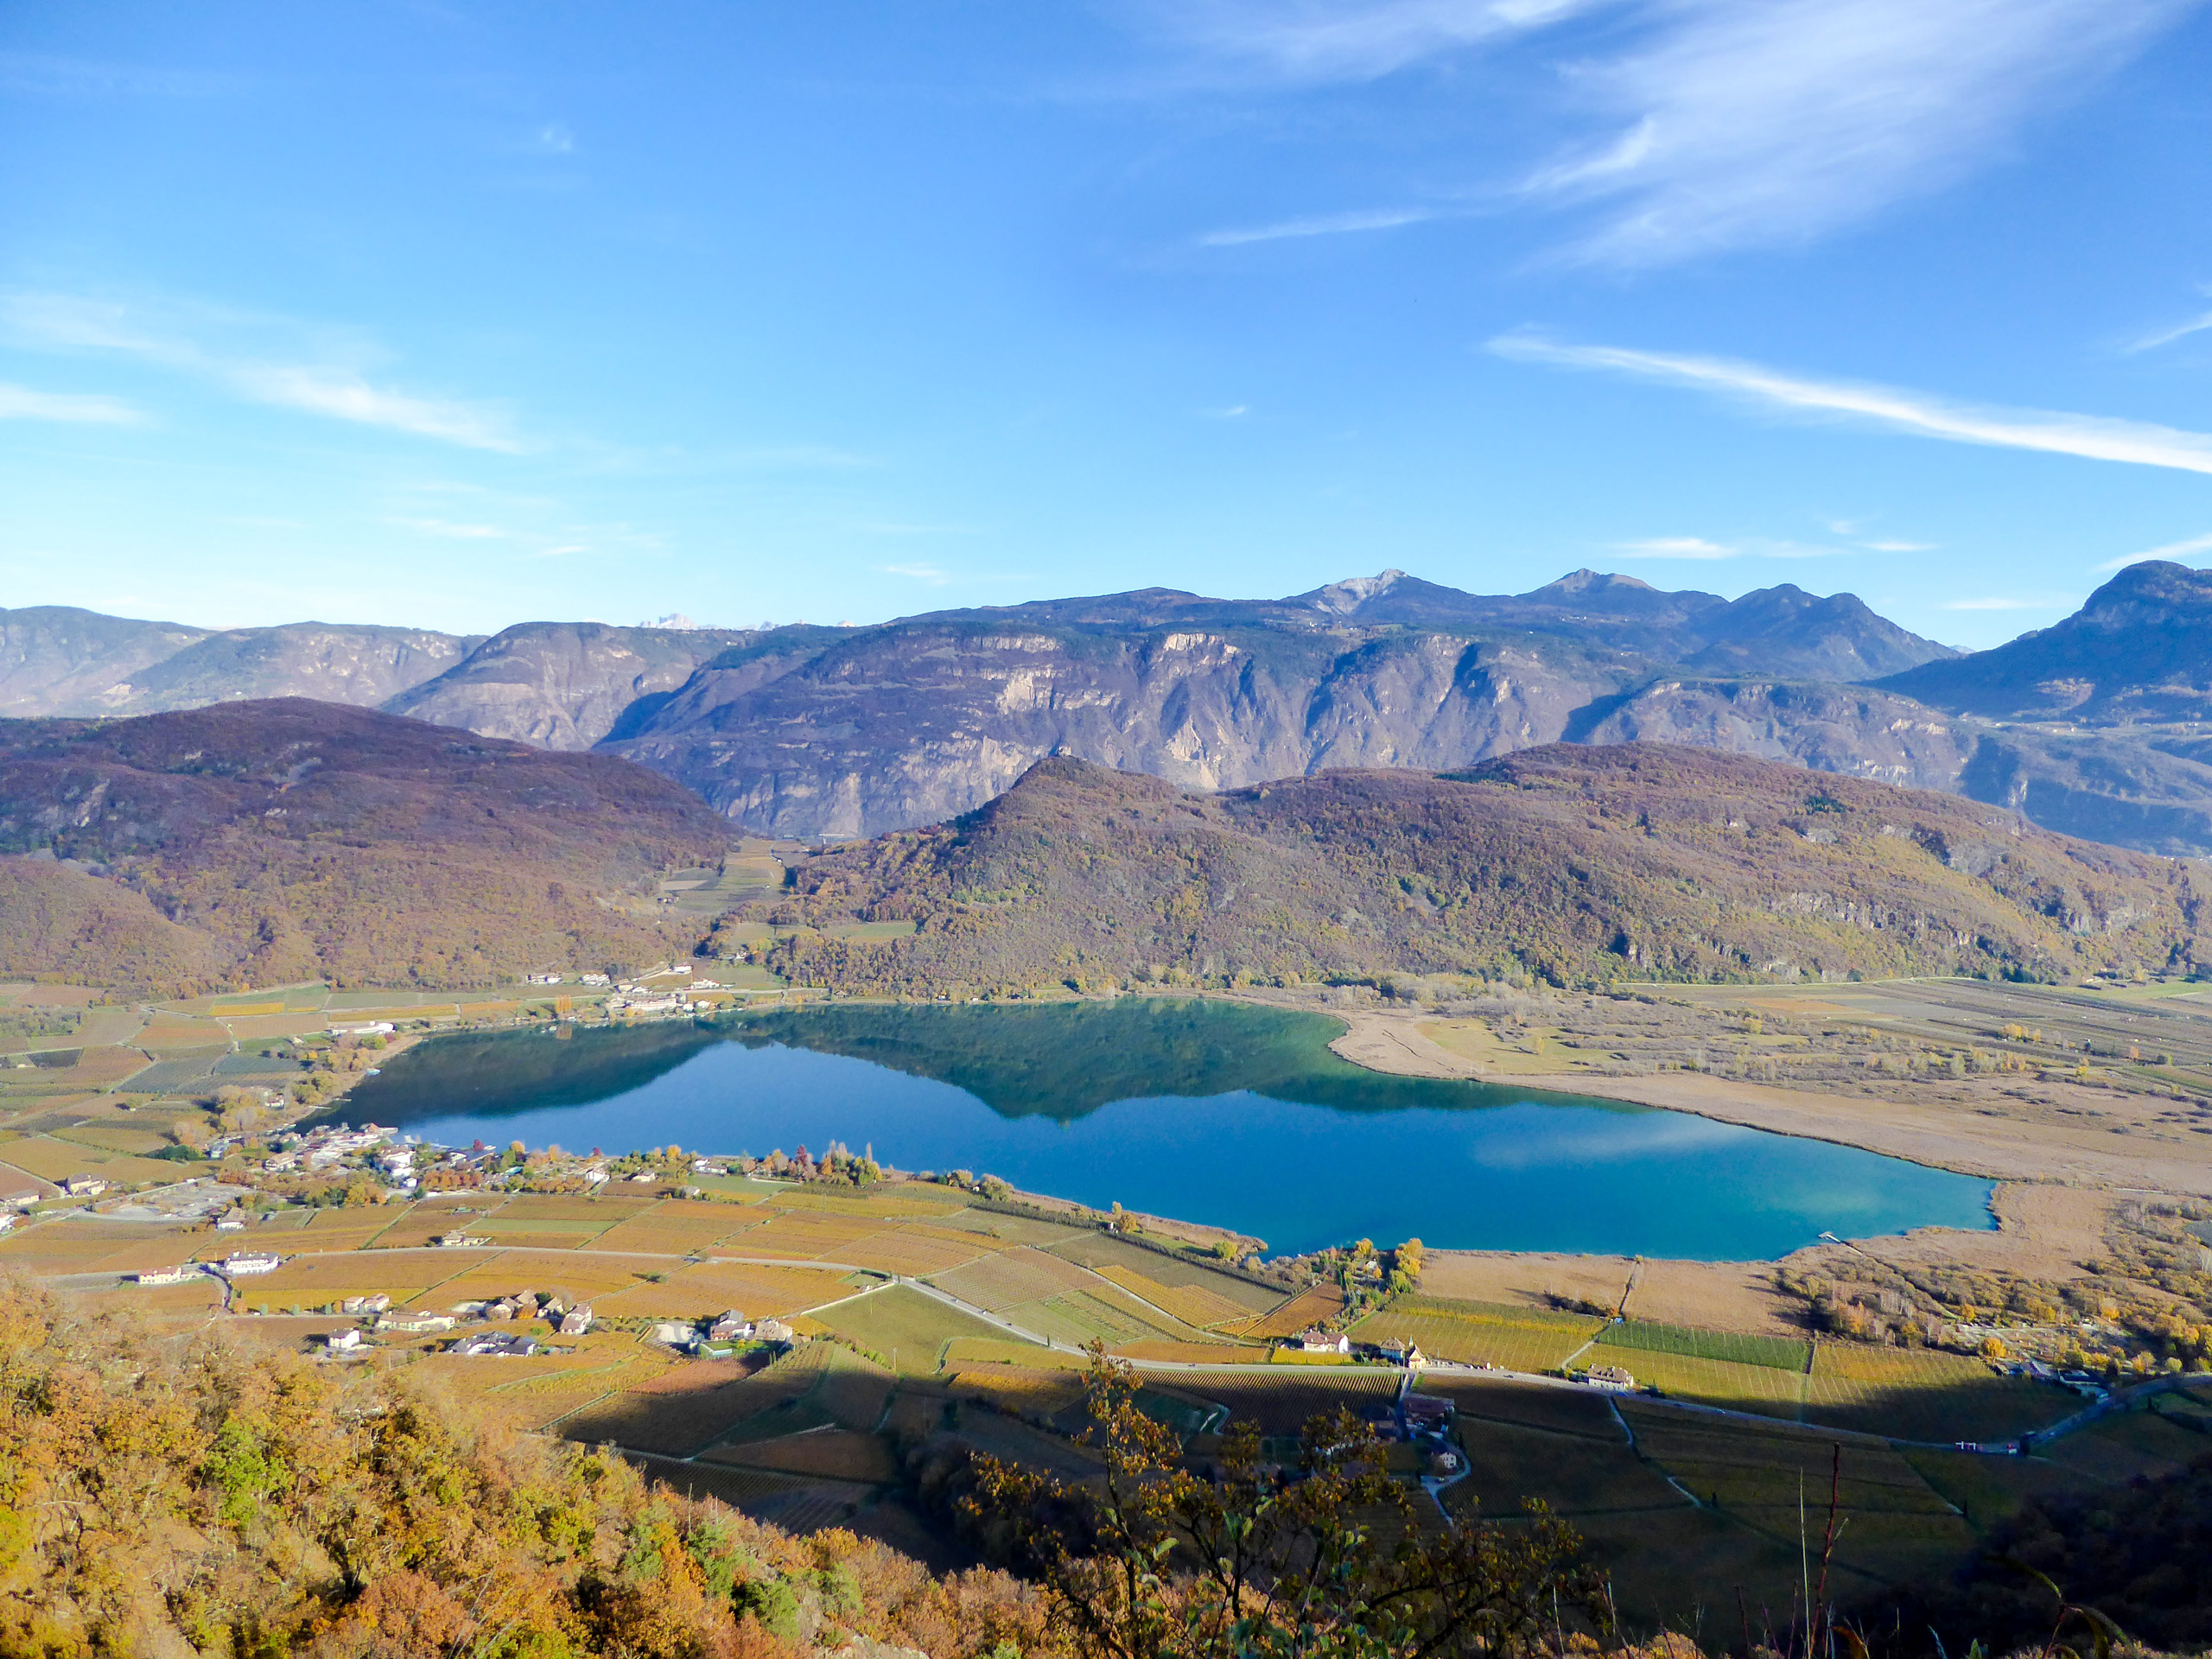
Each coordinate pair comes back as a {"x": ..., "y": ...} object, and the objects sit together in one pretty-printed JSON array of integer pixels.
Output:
[{"x": 1994, "y": 1148}]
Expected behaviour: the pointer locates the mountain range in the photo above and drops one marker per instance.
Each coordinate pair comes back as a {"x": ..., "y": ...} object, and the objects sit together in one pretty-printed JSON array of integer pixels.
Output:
[
  {"x": 1564, "y": 863},
  {"x": 817, "y": 732}
]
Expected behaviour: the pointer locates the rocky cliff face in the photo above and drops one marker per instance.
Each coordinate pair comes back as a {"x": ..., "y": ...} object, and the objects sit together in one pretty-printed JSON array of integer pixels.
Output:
[
  {"x": 850, "y": 732},
  {"x": 913, "y": 723},
  {"x": 561, "y": 685}
]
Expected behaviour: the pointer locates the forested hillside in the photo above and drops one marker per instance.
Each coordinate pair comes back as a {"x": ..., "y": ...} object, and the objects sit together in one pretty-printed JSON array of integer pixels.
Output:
[
  {"x": 1564, "y": 863},
  {"x": 263, "y": 842}
]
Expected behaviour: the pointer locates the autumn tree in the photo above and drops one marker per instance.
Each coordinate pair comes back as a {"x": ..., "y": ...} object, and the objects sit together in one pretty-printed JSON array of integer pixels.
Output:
[{"x": 1151, "y": 1560}]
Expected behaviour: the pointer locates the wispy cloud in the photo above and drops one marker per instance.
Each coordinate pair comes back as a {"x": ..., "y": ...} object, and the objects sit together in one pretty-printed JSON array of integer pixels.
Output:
[
  {"x": 1348, "y": 224},
  {"x": 2151, "y": 342},
  {"x": 1697, "y": 547},
  {"x": 236, "y": 352},
  {"x": 22, "y": 403},
  {"x": 1720, "y": 123},
  {"x": 2180, "y": 550},
  {"x": 1675, "y": 547},
  {"x": 926, "y": 574},
  {"x": 553, "y": 139},
  {"x": 1319, "y": 41},
  {"x": 2089, "y": 437},
  {"x": 1898, "y": 547},
  {"x": 455, "y": 531},
  {"x": 55, "y": 76},
  {"x": 1741, "y": 122}
]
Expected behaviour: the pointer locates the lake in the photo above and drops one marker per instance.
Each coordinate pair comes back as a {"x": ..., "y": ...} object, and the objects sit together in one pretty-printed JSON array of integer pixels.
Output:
[{"x": 1204, "y": 1110}]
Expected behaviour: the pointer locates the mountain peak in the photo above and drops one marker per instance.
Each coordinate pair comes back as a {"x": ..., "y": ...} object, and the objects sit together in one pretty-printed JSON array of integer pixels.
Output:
[
  {"x": 1587, "y": 580},
  {"x": 1343, "y": 598}
]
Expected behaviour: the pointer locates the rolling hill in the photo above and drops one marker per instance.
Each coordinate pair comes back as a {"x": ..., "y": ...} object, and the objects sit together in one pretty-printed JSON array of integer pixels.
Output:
[
  {"x": 266, "y": 842},
  {"x": 1568, "y": 864}
]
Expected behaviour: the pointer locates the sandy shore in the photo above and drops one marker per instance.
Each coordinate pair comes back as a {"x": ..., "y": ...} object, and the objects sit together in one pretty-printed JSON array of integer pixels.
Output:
[{"x": 2002, "y": 1145}]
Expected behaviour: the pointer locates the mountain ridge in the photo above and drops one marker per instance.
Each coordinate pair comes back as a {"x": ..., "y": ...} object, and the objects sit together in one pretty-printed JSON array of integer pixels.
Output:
[{"x": 1568, "y": 863}]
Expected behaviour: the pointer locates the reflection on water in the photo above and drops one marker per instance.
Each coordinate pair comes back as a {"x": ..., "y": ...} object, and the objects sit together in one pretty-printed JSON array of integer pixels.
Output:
[{"x": 1216, "y": 1111}]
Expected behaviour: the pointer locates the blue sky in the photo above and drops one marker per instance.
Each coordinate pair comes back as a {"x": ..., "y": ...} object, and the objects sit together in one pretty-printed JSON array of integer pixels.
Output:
[{"x": 458, "y": 315}]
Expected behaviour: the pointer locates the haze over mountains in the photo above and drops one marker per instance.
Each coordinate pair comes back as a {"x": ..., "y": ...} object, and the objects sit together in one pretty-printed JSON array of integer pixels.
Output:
[{"x": 810, "y": 731}]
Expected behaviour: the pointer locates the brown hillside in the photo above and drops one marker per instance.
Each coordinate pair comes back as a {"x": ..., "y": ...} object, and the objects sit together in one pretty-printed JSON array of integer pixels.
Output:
[
  {"x": 257, "y": 842},
  {"x": 1567, "y": 863}
]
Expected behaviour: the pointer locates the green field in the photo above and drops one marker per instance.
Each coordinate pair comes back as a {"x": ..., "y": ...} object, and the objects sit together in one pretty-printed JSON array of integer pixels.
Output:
[
  {"x": 1644, "y": 1335},
  {"x": 903, "y": 1324}
]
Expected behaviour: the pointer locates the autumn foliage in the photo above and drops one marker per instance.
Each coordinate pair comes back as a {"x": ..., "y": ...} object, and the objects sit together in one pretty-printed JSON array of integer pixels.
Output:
[{"x": 204, "y": 1494}]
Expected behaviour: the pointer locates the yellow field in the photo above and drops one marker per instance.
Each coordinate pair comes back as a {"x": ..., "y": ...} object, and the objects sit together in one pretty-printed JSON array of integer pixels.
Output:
[
  {"x": 1192, "y": 1303},
  {"x": 909, "y": 1253},
  {"x": 558, "y": 1207},
  {"x": 710, "y": 1287},
  {"x": 342, "y": 1229},
  {"x": 1023, "y": 1393},
  {"x": 1322, "y": 1302},
  {"x": 1534, "y": 1343},
  {"x": 311, "y": 1280},
  {"x": 802, "y": 1237},
  {"x": 1715, "y": 1382},
  {"x": 896, "y": 1208},
  {"x": 1195, "y": 1353},
  {"x": 56, "y": 1160},
  {"x": 1014, "y": 1277},
  {"x": 503, "y": 1271},
  {"x": 675, "y": 1227},
  {"x": 968, "y": 1352},
  {"x": 65, "y": 1244}
]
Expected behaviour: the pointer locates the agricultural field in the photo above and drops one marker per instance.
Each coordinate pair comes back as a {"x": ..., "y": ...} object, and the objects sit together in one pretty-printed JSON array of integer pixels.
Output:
[
  {"x": 1916, "y": 1394},
  {"x": 1476, "y": 1333},
  {"x": 1642, "y": 1336},
  {"x": 903, "y": 1325}
]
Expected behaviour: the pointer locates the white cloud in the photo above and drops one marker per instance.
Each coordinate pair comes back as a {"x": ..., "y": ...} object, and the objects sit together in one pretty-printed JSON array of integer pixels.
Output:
[
  {"x": 1898, "y": 547},
  {"x": 238, "y": 353},
  {"x": 2090, "y": 436},
  {"x": 346, "y": 396},
  {"x": 1697, "y": 547},
  {"x": 554, "y": 139},
  {"x": 2180, "y": 550},
  {"x": 1375, "y": 218},
  {"x": 447, "y": 528},
  {"x": 1675, "y": 547},
  {"x": 1323, "y": 41},
  {"x": 1744, "y": 123},
  {"x": 22, "y": 403},
  {"x": 928, "y": 574},
  {"x": 2196, "y": 325},
  {"x": 1718, "y": 123}
]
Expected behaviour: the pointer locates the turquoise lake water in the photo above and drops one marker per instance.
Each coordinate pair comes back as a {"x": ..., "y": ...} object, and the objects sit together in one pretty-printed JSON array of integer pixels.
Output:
[{"x": 1209, "y": 1111}]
